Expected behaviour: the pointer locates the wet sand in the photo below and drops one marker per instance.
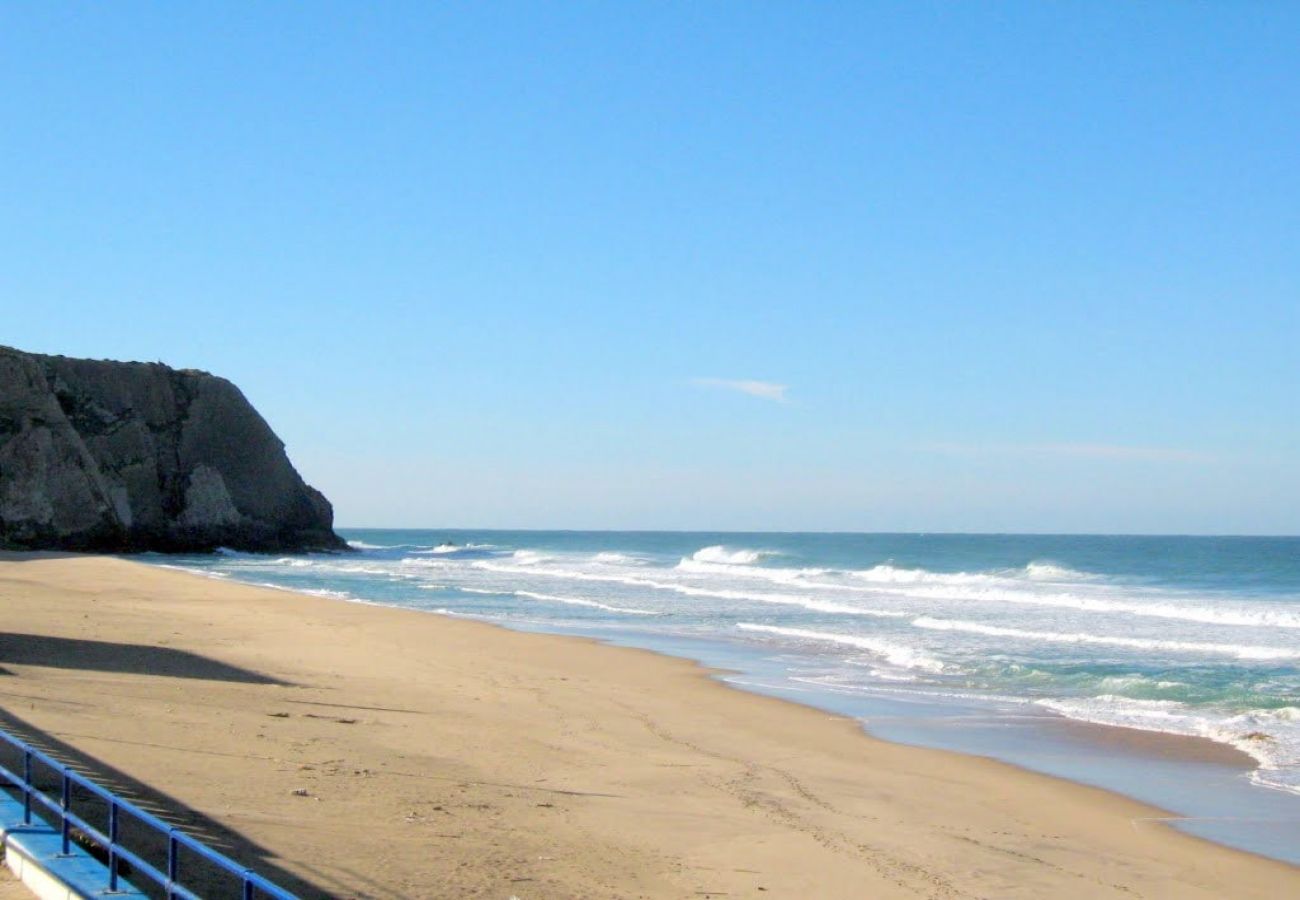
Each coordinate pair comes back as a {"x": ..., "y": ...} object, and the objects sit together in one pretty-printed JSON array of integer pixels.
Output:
[{"x": 364, "y": 751}]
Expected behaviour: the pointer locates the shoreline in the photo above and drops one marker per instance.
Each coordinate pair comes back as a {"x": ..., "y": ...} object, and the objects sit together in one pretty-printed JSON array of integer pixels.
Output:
[
  {"x": 1224, "y": 805},
  {"x": 667, "y": 770},
  {"x": 1166, "y": 743}
]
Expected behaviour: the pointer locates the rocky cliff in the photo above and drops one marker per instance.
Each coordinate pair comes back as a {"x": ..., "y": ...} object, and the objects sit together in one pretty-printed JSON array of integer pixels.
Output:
[{"x": 113, "y": 456}]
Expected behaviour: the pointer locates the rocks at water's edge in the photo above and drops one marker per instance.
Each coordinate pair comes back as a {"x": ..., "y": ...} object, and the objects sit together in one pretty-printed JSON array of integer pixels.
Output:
[{"x": 115, "y": 456}]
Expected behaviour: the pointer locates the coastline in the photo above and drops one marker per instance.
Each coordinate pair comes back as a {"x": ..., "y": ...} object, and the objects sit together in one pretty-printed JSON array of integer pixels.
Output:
[
  {"x": 484, "y": 761},
  {"x": 1205, "y": 787}
]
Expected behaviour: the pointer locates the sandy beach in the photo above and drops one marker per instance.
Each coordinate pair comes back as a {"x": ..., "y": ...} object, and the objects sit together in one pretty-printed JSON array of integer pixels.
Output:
[{"x": 361, "y": 751}]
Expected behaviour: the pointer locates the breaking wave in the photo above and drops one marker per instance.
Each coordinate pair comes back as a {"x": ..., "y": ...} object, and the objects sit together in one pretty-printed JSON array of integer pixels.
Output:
[
  {"x": 1240, "y": 651},
  {"x": 809, "y": 603},
  {"x": 725, "y": 556},
  {"x": 578, "y": 601},
  {"x": 1034, "y": 571},
  {"x": 897, "y": 654},
  {"x": 1270, "y": 736},
  {"x": 618, "y": 559}
]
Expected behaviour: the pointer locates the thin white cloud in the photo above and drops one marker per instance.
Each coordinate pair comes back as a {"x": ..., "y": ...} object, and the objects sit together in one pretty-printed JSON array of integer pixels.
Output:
[
  {"x": 764, "y": 390},
  {"x": 1123, "y": 451},
  {"x": 1118, "y": 452}
]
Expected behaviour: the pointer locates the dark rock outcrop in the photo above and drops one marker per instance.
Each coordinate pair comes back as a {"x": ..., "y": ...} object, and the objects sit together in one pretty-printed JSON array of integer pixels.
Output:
[{"x": 113, "y": 456}]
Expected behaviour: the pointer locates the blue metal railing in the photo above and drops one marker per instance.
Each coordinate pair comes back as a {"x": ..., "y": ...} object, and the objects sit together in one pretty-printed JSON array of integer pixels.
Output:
[{"x": 251, "y": 884}]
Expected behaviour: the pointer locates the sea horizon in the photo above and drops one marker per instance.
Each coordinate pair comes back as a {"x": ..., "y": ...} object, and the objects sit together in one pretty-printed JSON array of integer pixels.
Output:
[{"x": 1029, "y": 533}]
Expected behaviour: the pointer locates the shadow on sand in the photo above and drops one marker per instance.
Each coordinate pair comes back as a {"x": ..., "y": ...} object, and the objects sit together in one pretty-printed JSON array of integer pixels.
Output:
[
  {"x": 104, "y": 656},
  {"x": 207, "y": 880}
]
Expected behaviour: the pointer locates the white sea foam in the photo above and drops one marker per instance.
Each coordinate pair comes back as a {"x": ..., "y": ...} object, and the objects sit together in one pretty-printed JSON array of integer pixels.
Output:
[
  {"x": 426, "y": 562},
  {"x": 578, "y": 601},
  {"x": 315, "y": 592},
  {"x": 928, "y": 693},
  {"x": 1046, "y": 571},
  {"x": 357, "y": 569},
  {"x": 902, "y": 586},
  {"x": 720, "y": 554},
  {"x": 447, "y": 549},
  {"x": 362, "y": 545},
  {"x": 1034, "y": 572},
  {"x": 897, "y": 654},
  {"x": 1240, "y": 651},
  {"x": 609, "y": 557},
  {"x": 806, "y": 602},
  {"x": 693, "y": 566},
  {"x": 1270, "y": 736},
  {"x": 555, "y": 598},
  {"x": 922, "y": 584},
  {"x": 323, "y": 592},
  {"x": 1019, "y": 586},
  {"x": 1157, "y": 609},
  {"x": 887, "y": 574},
  {"x": 202, "y": 573},
  {"x": 1131, "y": 683},
  {"x": 888, "y": 577}
]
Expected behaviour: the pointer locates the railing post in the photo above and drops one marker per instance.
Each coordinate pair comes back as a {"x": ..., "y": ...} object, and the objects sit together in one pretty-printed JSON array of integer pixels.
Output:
[
  {"x": 112, "y": 845},
  {"x": 173, "y": 863},
  {"x": 35, "y": 762},
  {"x": 66, "y": 803},
  {"x": 27, "y": 786}
]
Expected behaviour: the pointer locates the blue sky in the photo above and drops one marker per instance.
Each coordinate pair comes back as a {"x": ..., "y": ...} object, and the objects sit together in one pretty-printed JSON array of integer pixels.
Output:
[{"x": 861, "y": 266}]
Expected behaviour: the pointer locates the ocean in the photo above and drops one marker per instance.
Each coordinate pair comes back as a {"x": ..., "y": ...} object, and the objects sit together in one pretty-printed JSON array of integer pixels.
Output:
[{"x": 992, "y": 644}]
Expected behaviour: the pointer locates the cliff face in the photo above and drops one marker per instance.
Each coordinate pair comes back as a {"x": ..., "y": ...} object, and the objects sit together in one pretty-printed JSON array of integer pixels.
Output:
[{"x": 113, "y": 456}]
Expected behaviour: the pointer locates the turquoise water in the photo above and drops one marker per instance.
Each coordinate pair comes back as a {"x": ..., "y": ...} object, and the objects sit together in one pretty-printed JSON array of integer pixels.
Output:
[{"x": 1196, "y": 636}]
